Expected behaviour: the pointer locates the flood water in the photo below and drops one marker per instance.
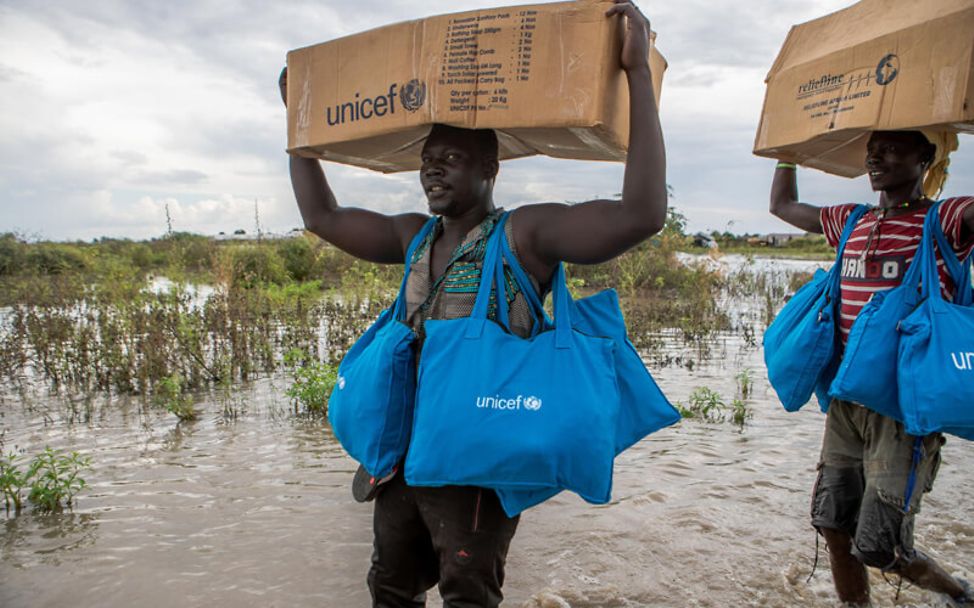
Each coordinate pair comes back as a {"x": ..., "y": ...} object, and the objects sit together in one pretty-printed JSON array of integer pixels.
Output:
[{"x": 250, "y": 506}]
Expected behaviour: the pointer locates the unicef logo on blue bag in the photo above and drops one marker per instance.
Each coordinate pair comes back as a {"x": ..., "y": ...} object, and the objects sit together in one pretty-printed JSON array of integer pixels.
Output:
[
  {"x": 341, "y": 383},
  {"x": 413, "y": 94},
  {"x": 497, "y": 402}
]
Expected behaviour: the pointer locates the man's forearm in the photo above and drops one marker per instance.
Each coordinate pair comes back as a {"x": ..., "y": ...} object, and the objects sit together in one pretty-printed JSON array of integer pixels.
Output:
[
  {"x": 644, "y": 183},
  {"x": 311, "y": 189}
]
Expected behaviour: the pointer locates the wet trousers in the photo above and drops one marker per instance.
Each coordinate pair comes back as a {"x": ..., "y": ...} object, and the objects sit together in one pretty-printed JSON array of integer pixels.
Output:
[
  {"x": 862, "y": 483},
  {"x": 456, "y": 537}
]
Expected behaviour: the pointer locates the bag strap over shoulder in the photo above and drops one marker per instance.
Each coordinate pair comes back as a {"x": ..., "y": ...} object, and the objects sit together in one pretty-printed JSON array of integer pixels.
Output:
[
  {"x": 399, "y": 308},
  {"x": 527, "y": 287},
  {"x": 492, "y": 274},
  {"x": 834, "y": 272},
  {"x": 930, "y": 277},
  {"x": 488, "y": 272},
  {"x": 960, "y": 271}
]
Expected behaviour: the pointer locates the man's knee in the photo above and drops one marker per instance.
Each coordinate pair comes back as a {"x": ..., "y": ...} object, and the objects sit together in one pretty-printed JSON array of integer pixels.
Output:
[
  {"x": 472, "y": 575},
  {"x": 884, "y": 537}
]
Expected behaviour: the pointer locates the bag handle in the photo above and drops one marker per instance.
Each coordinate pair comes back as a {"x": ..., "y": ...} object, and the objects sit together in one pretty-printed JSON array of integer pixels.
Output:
[
  {"x": 503, "y": 311},
  {"x": 959, "y": 271},
  {"x": 561, "y": 298},
  {"x": 492, "y": 273},
  {"x": 527, "y": 287},
  {"x": 930, "y": 277},
  {"x": 399, "y": 306},
  {"x": 834, "y": 277},
  {"x": 488, "y": 272}
]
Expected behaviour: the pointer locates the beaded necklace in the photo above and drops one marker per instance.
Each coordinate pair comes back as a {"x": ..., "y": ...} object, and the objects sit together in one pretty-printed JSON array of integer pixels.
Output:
[{"x": 881, "y": 214}]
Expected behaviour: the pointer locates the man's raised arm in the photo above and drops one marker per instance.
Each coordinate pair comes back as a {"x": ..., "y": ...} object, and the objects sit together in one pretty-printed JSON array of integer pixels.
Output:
[
  {"x": 365, "y": 234},
  {"x": 784, "y": 201},
  {"x": 599, "y": 230}
]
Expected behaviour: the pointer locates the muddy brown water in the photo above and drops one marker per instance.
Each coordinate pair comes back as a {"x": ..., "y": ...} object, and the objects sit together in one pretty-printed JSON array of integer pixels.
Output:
[{"x": 255, "y": 510}]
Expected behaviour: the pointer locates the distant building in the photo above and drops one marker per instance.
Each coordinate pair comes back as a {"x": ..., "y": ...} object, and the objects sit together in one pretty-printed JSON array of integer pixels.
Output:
[
  {"x": 242, "y": 235},
  {"x": 704, "y": 240},
  {"x": 780, "y": 238}
]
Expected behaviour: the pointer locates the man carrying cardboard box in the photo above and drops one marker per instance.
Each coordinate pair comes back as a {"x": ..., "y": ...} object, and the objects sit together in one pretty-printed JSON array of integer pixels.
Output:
[
  {"x": 458, "y": 537},
  {"x": 865, "y": 467}
]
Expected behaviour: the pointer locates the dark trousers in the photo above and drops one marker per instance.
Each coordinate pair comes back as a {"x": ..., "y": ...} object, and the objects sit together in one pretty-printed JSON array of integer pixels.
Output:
[{"x": 456, "y": 536}]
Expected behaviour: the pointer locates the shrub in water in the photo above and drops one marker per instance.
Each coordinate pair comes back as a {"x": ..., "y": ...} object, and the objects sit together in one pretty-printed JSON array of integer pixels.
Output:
[
  {"x": 51, "y": 480},
  {"x": 313, "y": 381},
  {"x": 55, "y": 479},
  {"x": 169, "y": 394}
]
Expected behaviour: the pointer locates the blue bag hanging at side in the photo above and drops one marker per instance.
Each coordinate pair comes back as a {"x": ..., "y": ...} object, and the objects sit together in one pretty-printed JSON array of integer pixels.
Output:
[
  {"x": 643, "y": 409},
  {"x": 499, "y": 411},
  {"x": 800, "y": 344},
  {"x": 867, "y": 373},
  {"x": 936, "y": 349},
  {"x": 371, "y": 407}
]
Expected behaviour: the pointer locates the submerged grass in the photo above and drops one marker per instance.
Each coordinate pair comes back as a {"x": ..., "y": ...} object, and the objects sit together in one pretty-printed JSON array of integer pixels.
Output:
[{"x": 708, "y": 405}]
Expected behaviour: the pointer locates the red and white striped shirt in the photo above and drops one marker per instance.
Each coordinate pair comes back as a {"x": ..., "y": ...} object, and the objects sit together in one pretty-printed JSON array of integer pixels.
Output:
[{"x": 891, "y": 249}]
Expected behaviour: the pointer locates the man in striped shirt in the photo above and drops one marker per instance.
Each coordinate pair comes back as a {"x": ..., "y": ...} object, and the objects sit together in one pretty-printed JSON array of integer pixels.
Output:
[{"x": 866, "y": 457}]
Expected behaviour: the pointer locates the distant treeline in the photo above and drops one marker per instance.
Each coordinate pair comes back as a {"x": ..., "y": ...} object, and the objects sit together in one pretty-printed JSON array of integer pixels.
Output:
[{"x": 184, "y": 257}]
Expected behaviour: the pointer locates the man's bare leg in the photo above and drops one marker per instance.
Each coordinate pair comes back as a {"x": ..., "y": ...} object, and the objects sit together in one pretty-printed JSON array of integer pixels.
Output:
[
  {"x": 924, "y": 572},
  {"x": 848, "y": 574}
]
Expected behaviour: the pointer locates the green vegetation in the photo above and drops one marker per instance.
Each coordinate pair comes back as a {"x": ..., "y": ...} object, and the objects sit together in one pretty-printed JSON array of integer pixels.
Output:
[
  {"x": 658, "y": 292},
  {"x": 704, "y": 404},
  {"x": 312, "y": 383},
  {"x": 51, "y": 480},
  {"x": 745, "y": 382},
  {"x": 84, "y": 319},
  {"x": 708, "y": 405},
  {"x": 169, "y": 394},
  {"x": 90, "y": 318},
  {"x": 12, "y": 481}
]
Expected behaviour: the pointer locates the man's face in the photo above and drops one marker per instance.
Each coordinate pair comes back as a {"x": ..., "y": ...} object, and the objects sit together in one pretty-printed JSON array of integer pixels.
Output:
[
  {"x": 894, "y": 159},
  {"x": 454, "y": 174}
]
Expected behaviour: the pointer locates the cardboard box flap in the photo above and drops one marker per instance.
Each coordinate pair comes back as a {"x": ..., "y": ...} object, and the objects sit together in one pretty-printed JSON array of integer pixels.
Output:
[{"x": 859, "y": 23}]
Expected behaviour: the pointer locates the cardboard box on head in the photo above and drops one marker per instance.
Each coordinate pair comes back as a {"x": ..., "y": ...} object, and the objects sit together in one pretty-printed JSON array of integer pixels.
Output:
[
  {"x": 546, "y": 77},
  {"x": 877, "y": 65}
]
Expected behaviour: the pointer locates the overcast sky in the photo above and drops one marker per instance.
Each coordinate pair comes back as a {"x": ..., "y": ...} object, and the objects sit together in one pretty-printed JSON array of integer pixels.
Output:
[{"x": 110, "y": 111}]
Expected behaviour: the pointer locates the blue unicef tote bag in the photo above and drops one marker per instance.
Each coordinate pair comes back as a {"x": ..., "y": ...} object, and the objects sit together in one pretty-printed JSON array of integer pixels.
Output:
[
  {"x": 936, "y": 351},
  {"x": 867, "y": 373},
  {"x": 800, "y": 343},
  {"x": 499, "y": 411},
  {"x": 371, "y": 406},
  {"x": 643, "y": 409}
]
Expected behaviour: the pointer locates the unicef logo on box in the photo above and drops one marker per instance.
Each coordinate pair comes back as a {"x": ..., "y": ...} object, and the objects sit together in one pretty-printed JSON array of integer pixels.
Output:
[
  {"x": 413, "y": 94},
  {"x": 532, "y": 403}
]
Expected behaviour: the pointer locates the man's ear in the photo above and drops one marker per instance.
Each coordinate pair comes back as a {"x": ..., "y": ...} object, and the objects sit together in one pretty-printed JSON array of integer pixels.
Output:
[
  {"x": 928, "y": 155},
  {"x": 491, "y": 168}
]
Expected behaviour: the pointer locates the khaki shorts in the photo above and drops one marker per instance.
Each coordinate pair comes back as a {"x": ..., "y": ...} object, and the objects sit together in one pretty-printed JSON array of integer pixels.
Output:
[{"x": 862, "y": 482}]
